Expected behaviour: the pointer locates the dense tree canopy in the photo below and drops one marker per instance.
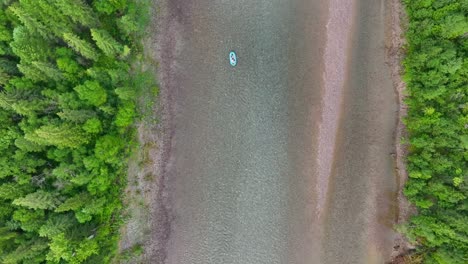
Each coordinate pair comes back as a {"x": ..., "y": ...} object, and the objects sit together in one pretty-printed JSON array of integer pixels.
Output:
[
  {"x": 66, "y": 109},
  {"x": 437, "y": 78}
]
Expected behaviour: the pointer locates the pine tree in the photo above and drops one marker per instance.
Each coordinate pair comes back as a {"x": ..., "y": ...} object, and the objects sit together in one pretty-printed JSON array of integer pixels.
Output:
[
  {"x": 43, "y": 13},
  {"x": 4, "y": 77},
  {"x": 48, "y": 70},
  {"x": 56, "y": 224},
  {"x": 12, "y": 190},
  {"x": 76, "y": 116},
  {"x": 7, "y": 99},
  {"x": 37, "y": 200},
  {"x": 32, "y": 251},
  {"x": 31, "y": 23},
  {"x": 8, "y": 66},
  {"x": 81, "y": 46},
  {"x": 30, "y": 47},
  {"x": 106, "y": 42},
  {"x": 78, "y": 11},
  {"x": 92, "y": 208},
  {"x": 63, "y": 135},
  {"x": 31, "y": 72},
  {"x": 6, "y": 235},
  {"x": 56, "y": 22},
  {"x": 20, "y": 101},
  {"x": 28, "y": 146},
  {"x": 27, "y": 107},
  {"x": 73, "y": 203},
  {"x": 5, "y": 32}
]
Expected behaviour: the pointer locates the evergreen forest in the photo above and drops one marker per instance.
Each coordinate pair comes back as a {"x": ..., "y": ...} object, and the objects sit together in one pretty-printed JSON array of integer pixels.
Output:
[
  {"x": 436, "y": 74},
  {"x": 67, "y": 105}
]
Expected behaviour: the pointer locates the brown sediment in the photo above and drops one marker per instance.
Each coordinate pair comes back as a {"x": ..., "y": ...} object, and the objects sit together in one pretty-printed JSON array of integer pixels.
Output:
[
  {"x": 338, "y": 34},
  {"x": 162, "y": 48},
  {"x": 146, "y": 197},
  {"x": 358, "y": 224},
  {"x": 395, "y": 55},
  {"x": 165, "y": 45}
]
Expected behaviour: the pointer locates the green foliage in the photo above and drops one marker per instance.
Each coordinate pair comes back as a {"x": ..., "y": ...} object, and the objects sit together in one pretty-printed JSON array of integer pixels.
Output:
[
  {"x": 49, "y": 70},
  {"x": 92, "y": 92},
  {"x": 125, "y": 115},
  {"x": 29, "y": 220},
  {"x": 55, "y": 225},
  {"x": 107, "y": 148},
  {"x": 30, "y": 252},
  {"x": 106, "y": 42},
  {"x": 78, "y": 11},
  {"x": 12, "y": 190},
  {"x": 67, "y": 104},
  {"x": 29, "y": 21},
  {"x": 92, "y": 126},
  {"x": 38, "y": 200},
  {"x": 63, "y": 135},
  {"x": 109, "y": 6},
  {"x": 127, "y": 93},
  {"x": 29, "y": 46},
  {"x": 76, "y": 116},
  {"x": 81, "y": 46},
  {"x": 436, "y": 73},
  {"x": 60, "y": 249},
  {"x": 85, "y": 249},
  {"x": 131, "y": 252}
]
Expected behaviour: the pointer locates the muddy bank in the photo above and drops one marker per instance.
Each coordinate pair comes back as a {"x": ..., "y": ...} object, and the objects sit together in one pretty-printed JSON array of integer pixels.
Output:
[
  {"x": 147, "y": 214},
  {"x": 395, "y": 42}
]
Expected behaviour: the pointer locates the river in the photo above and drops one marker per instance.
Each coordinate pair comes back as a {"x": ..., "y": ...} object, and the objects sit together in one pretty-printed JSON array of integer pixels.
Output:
[{"x": 284, "y": 158}]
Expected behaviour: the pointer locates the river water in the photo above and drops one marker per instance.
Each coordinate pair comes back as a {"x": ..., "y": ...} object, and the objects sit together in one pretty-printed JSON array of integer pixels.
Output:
[{"x": 284, "y": 158}]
